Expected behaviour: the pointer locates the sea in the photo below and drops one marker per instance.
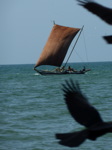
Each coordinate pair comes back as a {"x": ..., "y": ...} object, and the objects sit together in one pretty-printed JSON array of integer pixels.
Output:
[{"x": 33, "y": 110}]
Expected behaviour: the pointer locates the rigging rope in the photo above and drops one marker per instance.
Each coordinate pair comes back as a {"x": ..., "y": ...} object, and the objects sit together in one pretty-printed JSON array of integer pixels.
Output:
[
  {"x": 74, "y": 46},
  {"x": 85, "y": 47}
]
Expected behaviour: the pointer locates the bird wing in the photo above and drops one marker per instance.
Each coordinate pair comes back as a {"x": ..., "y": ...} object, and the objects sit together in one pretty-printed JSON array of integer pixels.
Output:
[
  {"x": 108, "y": 39},
  {"x": 72, "y": 139},
  {"x": 97, "y": 9},
  {"x": 79, "y": 107}
]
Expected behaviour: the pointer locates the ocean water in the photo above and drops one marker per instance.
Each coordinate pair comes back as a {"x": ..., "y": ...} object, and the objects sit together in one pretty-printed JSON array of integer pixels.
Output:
[{"x": 32, "y": 107}]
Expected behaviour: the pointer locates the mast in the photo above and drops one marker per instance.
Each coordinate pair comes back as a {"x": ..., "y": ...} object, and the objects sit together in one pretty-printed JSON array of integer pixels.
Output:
[{"x": 74, "y": 46}]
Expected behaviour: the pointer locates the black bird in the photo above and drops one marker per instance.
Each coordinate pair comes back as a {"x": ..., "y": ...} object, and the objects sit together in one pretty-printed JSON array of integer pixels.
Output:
[
  {"x": 108, "y": 39},
  {"x": 101, "y": 11},
  {"x": 85, "y": 114},
  {"x": 97, "y": 9}
]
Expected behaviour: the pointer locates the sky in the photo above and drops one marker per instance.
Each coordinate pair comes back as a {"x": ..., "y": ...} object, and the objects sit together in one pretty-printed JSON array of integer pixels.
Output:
[{"x": 26, "y": 24}]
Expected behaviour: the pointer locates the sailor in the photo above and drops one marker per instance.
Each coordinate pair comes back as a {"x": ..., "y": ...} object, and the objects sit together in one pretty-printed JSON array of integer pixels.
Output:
[
  {"x": 84, "y": 69},
  {"x": 69, "y": 68}
]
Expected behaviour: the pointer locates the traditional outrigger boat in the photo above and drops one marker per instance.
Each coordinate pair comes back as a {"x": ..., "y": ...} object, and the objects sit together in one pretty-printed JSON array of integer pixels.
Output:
[{"x": 56, "y": 49}]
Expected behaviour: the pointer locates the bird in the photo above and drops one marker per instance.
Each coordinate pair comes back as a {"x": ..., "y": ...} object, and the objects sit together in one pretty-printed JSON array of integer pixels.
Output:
[
  {"x": 103, "y": 12},
  {"x": 108, "y": 39},
  {"x": 85, "y": 114}
]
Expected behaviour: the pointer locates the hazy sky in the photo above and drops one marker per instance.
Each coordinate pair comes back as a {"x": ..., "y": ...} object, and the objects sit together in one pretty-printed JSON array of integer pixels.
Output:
[{"x": 25, "y": 26}]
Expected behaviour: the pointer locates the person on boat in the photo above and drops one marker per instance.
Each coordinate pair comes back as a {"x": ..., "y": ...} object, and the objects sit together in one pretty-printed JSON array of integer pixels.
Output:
[
  {"x": 84, "y": 69},
  {"x": 70, "y": 69}
]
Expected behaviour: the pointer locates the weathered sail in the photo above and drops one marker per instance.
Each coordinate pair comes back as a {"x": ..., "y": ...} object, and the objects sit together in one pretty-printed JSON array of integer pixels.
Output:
[{"x": 57, "y": 45}]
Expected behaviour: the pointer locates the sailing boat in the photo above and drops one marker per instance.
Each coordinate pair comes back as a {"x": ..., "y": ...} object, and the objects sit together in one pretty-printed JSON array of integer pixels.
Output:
[{"x": 56, "y": 49}]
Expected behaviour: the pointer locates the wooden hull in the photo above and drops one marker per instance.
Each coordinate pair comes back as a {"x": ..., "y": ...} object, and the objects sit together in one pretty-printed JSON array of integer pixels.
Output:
[{"x": 44, "y": 72}]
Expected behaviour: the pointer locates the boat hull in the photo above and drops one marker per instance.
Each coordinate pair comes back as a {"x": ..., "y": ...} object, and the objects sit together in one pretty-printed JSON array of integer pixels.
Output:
[{"x": 44, "y": 72}]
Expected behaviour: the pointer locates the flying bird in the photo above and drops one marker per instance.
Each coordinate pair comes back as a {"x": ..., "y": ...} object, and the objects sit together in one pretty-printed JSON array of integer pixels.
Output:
[
  {"x": 85, "y": 114},
  {"x": 108, "y": 39},
  {"x": 101, "y": 11}
]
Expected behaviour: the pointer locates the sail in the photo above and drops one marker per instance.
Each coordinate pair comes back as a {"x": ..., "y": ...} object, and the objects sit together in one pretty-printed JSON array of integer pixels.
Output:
[{"x": 57, "y": 45}]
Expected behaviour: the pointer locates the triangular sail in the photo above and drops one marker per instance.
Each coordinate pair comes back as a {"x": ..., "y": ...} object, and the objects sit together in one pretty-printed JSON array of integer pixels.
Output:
[{"x": 57, "y": 45}]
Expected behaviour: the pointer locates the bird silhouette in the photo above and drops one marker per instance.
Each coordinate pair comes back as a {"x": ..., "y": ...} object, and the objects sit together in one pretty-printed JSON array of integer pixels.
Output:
[
  {"x": 108, "y": 39},
  {"x": 101, "y": 11},
  {"x": 85, "y": 114}
]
